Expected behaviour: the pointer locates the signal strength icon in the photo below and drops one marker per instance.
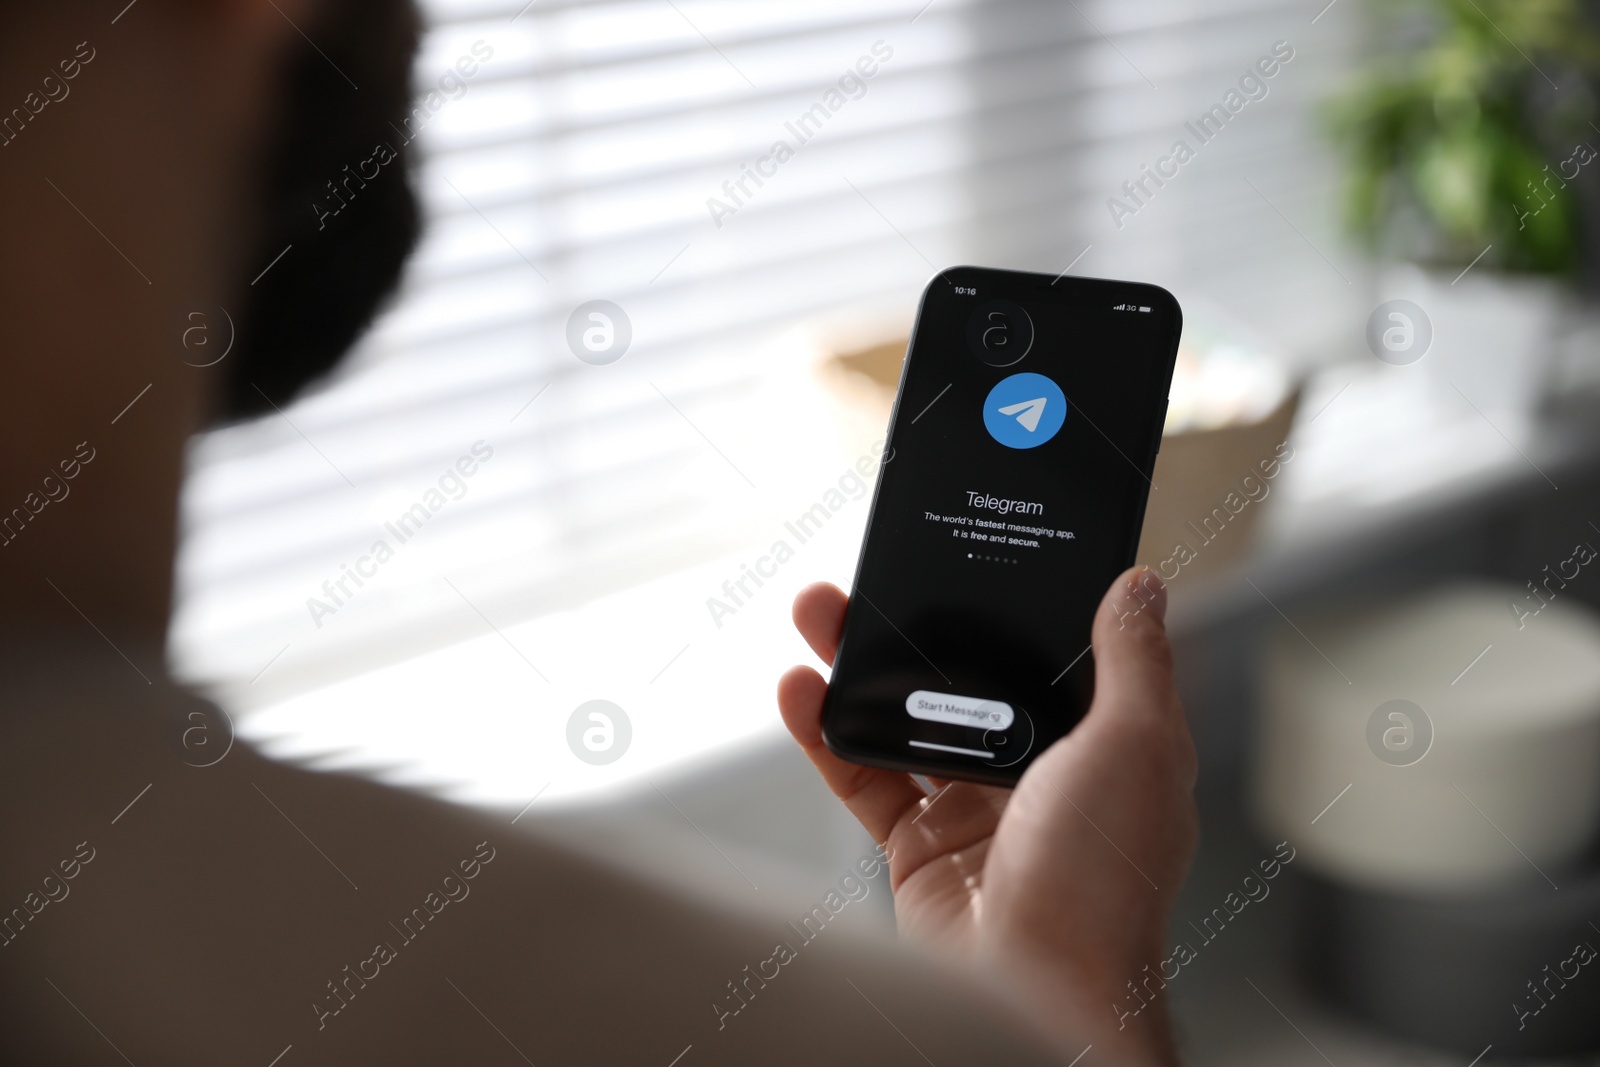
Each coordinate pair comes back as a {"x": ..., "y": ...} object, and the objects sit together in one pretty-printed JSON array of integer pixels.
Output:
[{"x": 1120, "y": 307}]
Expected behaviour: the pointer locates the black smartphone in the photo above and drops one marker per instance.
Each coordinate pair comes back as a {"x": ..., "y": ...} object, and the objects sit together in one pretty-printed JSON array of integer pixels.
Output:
[{"x": 1016, "y": 469}]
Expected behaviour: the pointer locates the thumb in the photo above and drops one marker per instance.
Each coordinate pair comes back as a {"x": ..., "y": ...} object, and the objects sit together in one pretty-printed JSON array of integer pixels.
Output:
[{"x": 1132, "y": 657}]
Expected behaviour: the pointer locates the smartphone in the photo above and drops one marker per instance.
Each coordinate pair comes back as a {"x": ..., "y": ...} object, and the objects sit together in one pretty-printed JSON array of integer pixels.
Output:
[{"x": 1015, "y": 474}]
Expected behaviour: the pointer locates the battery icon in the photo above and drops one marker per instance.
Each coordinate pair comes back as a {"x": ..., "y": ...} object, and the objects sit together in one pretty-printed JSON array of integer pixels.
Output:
[{"x": 1144, "y": 309}]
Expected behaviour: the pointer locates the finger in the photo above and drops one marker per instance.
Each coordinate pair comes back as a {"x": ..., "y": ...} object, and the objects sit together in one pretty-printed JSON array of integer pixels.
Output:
[
  {"x": 1136, "y": 698},
  {"x": 1132, "y": 656},
  {"x": 876, "y": 797},
  {"x": 819, "y": 616}
]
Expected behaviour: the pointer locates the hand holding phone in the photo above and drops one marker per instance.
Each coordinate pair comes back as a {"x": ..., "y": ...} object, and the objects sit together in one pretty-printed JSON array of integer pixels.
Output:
[
  {"x": 1018, "y": 461},
  {"x": 1060, "y": 890}
]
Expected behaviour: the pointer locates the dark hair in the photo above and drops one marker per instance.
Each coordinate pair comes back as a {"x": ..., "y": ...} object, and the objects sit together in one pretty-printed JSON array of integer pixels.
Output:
[{"x": 344, "y": 98}]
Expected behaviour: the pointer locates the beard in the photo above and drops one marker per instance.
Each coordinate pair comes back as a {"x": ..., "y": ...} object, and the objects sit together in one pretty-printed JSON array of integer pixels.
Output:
[{"x": 350, "y": 234}]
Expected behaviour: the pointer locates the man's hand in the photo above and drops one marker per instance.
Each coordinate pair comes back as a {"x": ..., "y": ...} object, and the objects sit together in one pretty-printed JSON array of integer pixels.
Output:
[{"x": 1062, "y": 887}]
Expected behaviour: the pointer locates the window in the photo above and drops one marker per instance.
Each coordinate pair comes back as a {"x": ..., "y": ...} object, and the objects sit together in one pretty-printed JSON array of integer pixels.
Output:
[{"x": 626, "y": 151}]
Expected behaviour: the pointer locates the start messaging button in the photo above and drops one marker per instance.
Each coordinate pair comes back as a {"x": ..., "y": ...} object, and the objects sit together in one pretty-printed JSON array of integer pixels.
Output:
[{"x": 960, "y": 711}]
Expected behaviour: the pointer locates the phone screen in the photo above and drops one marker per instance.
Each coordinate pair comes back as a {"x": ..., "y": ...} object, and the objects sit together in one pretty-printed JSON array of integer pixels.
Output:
[{"x": 1013, "y": 487}]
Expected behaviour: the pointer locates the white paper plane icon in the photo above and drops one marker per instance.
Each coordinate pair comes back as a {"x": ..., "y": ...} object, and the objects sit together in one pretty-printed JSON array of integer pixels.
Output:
[{"x": 1028, "y": 412}]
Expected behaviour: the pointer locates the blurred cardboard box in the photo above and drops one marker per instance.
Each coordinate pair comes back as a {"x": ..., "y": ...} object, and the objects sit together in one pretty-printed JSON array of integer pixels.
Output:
[{"x": 1210, "y": 488}]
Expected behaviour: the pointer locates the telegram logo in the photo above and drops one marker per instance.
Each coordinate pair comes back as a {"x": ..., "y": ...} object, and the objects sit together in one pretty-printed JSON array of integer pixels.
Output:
[{"x": 1024, "y": 410}]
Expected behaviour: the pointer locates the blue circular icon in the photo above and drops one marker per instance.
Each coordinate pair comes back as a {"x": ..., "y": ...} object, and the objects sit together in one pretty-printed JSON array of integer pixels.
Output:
[{"x": 1024, "y": 410}]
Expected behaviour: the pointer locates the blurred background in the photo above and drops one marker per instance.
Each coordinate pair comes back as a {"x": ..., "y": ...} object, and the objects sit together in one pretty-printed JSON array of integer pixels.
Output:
[{"x": 1383, "y": 231}]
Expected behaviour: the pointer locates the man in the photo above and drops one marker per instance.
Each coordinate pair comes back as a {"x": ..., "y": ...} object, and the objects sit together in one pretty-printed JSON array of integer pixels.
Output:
[{"x": 161, "y": 908}]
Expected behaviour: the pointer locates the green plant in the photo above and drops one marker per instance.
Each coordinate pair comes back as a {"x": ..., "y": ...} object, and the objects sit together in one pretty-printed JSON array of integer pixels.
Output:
[{"x": 1449, "y": 145}]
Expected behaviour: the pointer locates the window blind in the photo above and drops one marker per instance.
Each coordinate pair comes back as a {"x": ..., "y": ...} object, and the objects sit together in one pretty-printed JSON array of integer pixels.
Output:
[{"x": 604, "y": 151}]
